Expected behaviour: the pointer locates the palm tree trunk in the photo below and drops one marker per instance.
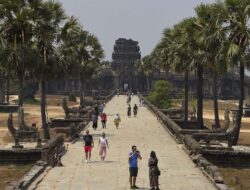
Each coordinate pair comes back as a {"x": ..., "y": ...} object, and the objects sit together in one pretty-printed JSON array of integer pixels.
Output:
[
  {"x": 21, "y": 91},
  {"x": 82, "y": 92},
  {"x": 8, "y": 89},
  {"x": 241, "y": 99},
  {"x": 148, "y": 85},
  {"x": 186, "y": 98},
  {"x": 200, "y": 96},
  {"x": 43, "y": 108},
  {"x": 215, "y": 97}
]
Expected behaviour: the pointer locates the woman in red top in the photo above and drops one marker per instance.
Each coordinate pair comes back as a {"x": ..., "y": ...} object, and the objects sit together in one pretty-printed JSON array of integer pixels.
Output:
[{"x": 104, "y": 120}]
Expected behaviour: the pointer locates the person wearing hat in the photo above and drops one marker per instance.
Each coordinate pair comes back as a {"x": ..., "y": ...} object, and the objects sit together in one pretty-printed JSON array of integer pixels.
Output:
[{"x": 117, "y": 120}]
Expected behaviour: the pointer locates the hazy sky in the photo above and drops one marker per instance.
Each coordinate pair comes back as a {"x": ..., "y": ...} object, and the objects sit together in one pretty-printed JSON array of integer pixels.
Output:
[{"x": 140, "y": 20}]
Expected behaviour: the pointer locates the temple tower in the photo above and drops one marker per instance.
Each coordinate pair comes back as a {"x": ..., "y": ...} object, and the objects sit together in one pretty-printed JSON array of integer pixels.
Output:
[{"x": 126, "y": 53}]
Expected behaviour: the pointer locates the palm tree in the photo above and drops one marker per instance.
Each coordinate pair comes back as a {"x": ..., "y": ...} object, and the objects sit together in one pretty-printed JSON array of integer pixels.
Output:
[
  {"x": 146, "y": 66},
  {"x": 81, "y": 51},
  {"x": 49, "y": 16},
  {"x": 90, "y": 54},
  {"x": 182, "y": 57},
  {"x": 16, "y": 28},
  {"x": 213, "y": 36},
  {"x": 239, "y": 37}
]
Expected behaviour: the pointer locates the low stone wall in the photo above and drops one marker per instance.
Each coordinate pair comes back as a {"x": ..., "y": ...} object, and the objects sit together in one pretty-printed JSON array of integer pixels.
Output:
[
  {"x": 8, "y": 108},
  {"x": 227, "y": 157},
  {"x": 29, "y": 178},
  {"x": 19, "y": 155},
  {"x": 195, "y": 151},
  {"x": 50, "y": 153},
  {"x": 53, "y": 151}
]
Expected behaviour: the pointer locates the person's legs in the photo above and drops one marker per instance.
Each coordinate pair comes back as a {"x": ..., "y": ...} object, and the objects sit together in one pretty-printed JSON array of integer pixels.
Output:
[
  {"x": 104, "y": 153},
  {"x": 134, "y": 181},
  {"x": 86, "y": 155},
  {"x": 89, "y": 155},
  {"x": 130, "y": 182}
]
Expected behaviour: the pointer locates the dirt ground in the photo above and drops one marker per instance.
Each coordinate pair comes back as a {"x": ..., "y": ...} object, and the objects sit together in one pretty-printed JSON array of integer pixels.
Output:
[
  {"x": 33, "y": 115},
  {"x": 12, "y": 172},
  {"x": 208, "y": 115},
  {"x": 237, "y": 177}
]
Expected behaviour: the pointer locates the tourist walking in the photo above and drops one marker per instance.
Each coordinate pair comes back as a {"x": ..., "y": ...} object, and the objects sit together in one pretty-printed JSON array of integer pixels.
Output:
[
  {"x": 101, "y": 108},
  {"x": 88, "y": 145},
  {"x": 94, "y": 121},
  {"x": 96, "y": 109},
  {"x": 103, "y": 144},
  {"x": 133, "y": 166},
  {"x": 135, "y": 110},
  {"x": 154, "y": 171},
  {"x": 104, "y": 120},
  {"x": 129, "y": 99},
  {"x": 117, "y": 120},
  {"x": 129, "y": 111}
]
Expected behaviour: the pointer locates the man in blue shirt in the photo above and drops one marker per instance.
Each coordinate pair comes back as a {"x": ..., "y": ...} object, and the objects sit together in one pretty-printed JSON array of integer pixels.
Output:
[{"x": 133, "y": 166}]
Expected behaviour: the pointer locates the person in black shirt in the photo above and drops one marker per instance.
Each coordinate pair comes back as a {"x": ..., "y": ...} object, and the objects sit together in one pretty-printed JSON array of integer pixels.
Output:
[
  {"x": 89, "y": 144},
  {"x": 135, "y": 109},
  {"x": 129, "y": 111}
]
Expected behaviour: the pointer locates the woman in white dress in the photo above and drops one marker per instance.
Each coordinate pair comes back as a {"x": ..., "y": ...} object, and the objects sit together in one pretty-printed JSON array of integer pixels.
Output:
[{"x": 103, "y": 144}]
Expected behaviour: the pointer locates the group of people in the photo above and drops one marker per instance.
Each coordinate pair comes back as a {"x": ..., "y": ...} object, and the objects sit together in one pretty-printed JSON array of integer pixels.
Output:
[
  {"x": 154, "y": 171},
  {"x": 135, "y": 110},
  {"x": 133, "y": 156},
  {"x": 89, "y": 144},
  {"x": 99, "y": 111}
]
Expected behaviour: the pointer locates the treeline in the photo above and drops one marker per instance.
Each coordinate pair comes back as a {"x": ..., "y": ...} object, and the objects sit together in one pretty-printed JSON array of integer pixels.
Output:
[
  {"x": 214, "y": 41},
  {"x": 38, "y": 41}
]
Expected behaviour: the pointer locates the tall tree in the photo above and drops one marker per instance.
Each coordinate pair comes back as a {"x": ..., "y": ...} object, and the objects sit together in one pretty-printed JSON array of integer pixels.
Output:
[
  {"x": 49, "y": 16},
  {"x": 210, "y": 18},
  {"x": 17, "y": 27},
  {"x": 239, "y": 37}
]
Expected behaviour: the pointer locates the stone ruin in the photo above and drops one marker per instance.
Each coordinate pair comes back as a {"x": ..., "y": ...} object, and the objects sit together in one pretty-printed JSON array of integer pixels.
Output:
[
  {"x": 74, "y": 121},
  {"x": 23, "y": 132},
  {"x": 223, "y": 134},
  {"x": 75, "y": 112}
]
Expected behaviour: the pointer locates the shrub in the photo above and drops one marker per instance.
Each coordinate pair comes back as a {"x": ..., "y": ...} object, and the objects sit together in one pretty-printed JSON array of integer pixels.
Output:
[
  {"x": 72, "y": 97},
  {"x": 160, "y": 96}
]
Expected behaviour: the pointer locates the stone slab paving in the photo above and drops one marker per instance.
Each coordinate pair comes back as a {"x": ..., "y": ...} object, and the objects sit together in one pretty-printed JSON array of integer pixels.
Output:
[{"x": 178, "y": 171}]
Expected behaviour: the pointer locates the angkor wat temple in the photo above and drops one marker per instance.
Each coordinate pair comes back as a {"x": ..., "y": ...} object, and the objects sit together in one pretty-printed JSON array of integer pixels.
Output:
[{"x": 121, "y": 74}]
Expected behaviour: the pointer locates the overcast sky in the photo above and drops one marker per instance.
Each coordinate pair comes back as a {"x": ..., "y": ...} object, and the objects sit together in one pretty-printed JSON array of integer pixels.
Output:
[{"x": 140, "y": 20}]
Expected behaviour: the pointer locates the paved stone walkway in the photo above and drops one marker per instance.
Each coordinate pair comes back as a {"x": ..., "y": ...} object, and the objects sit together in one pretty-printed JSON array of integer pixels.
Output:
[{"x": 178, "y": 171}]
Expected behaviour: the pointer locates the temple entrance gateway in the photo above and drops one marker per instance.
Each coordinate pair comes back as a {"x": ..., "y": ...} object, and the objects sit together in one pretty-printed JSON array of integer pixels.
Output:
[{"x": 126, "y": 53}]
